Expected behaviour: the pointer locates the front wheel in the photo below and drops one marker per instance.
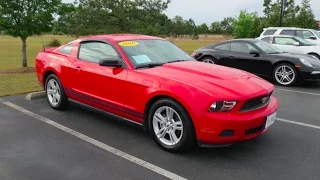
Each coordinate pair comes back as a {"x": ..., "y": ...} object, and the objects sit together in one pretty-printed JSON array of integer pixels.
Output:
[
  {"x": 55, "y": 93},
  {"x": 171, "y": 127},
  {"x": 285, "y": 74}
]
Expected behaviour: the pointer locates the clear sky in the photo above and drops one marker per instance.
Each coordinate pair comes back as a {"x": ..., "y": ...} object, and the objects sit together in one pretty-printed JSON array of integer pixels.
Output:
[{"x": 207, "y": 11}]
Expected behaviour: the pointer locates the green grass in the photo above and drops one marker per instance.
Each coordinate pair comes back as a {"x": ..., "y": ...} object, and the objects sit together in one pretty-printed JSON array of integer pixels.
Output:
[{"x": 16, "y": 80}]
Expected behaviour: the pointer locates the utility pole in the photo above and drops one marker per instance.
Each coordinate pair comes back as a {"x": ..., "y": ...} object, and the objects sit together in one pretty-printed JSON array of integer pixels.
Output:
[{"x": 281, "y": 13}]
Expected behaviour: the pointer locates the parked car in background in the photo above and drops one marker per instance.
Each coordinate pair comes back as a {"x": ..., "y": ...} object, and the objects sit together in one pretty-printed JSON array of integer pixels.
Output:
[
  {"x": 293, "y": 44},
  {"x": 151, "y": 82},
  {"x": 263, "y": 59},
  {"x": 310, "y": 35}
]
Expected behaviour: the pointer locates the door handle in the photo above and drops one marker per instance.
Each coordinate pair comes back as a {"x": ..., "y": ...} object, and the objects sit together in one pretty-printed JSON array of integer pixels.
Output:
[{"x": 78, "y": 69}]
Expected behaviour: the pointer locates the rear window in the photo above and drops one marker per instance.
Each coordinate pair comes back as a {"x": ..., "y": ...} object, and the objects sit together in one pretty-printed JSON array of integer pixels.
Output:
[
  {"x": 66, "y": 49},
  {"x": 269, "y": 32}
]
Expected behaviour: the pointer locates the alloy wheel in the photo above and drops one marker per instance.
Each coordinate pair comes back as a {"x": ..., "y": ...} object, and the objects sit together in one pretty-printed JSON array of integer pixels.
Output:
[
  {"x": 53, "y": 92},
  {"x": 207, "y": 60},
  {"x": 167, "y": 125},
  {"x": 285, "y": 75}
]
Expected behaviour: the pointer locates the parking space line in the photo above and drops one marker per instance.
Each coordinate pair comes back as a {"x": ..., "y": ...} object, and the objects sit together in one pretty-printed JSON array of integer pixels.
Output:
[
  {"x": 106, "y": 147},
  {"x": 301, "y": 92},
  {"x": 299, "y": 123}
]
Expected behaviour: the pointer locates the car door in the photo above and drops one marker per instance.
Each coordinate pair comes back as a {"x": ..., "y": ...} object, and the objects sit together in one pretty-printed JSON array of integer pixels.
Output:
[
  {"x": 287, "y": 44},
  {"x": 100, "y": 86},
  {"x": 240, "y": 57}
]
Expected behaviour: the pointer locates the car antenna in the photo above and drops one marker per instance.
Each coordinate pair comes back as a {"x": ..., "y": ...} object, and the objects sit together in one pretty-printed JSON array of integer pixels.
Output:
[{"x": 44, "y": 49}]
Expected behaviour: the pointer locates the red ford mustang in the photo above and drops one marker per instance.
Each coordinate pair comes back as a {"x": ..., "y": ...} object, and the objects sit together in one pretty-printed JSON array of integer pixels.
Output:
[{"x": 151, "y": 82}]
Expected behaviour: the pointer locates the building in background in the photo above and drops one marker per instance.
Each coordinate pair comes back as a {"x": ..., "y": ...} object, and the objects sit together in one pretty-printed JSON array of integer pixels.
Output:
[{"x": 318, "y": 22}]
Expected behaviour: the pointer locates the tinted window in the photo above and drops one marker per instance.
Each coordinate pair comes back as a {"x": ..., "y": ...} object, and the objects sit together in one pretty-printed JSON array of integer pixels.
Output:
[
  {"x": 242, "y": 47},
  {"x": 287, "y": 32},
  {"x": 66, "y": 49},
  {"x": 269, "y": 32},
  {"x": 95, "y": 51},
  {"x": 266, "y": 39},
  {"x": 225, "y": 47},
  {"x": 284, "y": 40}
]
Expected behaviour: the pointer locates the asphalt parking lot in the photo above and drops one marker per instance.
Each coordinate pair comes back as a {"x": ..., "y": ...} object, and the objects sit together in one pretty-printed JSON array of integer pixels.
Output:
[{"x": 37, "y": 142}]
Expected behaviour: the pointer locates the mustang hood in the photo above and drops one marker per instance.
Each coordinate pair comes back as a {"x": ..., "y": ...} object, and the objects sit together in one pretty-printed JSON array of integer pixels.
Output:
[{"x": 224, "y": 82}]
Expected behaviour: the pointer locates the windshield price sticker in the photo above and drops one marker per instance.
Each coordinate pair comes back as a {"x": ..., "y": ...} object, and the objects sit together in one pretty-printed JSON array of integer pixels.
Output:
[{"x": 128, "y": 43}]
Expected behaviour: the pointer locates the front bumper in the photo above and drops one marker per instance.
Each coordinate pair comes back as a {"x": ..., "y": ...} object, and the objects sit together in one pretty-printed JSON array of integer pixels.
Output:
[
  {"x": 224, "y": 128},
  {"x": 310, "y": 76}
]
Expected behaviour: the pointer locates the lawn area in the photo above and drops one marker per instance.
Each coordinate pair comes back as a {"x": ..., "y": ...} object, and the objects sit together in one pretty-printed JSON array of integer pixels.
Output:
[{"x": 16, "y": 80}]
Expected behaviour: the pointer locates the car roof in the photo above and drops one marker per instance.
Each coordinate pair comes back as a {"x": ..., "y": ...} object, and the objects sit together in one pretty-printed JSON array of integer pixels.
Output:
[
  {"x": 122, "y": 37},
  {"x": 242, "y": 39}
]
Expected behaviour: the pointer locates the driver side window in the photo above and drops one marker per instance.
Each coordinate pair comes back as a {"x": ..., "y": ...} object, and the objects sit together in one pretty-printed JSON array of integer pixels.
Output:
[
  {"x": 242, "y": 47},
  {"x": 284, "y": 41},
  {"x": 96, "y": 51}
]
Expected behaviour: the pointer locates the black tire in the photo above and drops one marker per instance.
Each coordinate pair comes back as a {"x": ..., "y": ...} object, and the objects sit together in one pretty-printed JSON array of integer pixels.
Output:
[
  {"x": 188, "y": 139},
  {"x": 278, "y": 81},
  {"x": 208, "y": 59},
  {"x": 63, "y": 103},
  {"x": 315, "y": 55}
]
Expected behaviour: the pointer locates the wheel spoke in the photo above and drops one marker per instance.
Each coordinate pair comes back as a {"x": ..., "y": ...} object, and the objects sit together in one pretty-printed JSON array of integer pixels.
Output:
[
  {"x": 54, "y": 99},
  {"x": 58, "y": 97},
  {"x": 52, "y": 85},
  {"x": 158, "y": 117},
  {"x": 282, "y": 78},
  {"x": 173, "y": 137},
  {"x": 290, "y": 72},
  {"x": 177, "y": 126},
  {"x": 283, "y": 69},
  {"x": 50, "y": 91},
  {"x": 169, "y": 113},
  {"x": 162, "y": 132}
]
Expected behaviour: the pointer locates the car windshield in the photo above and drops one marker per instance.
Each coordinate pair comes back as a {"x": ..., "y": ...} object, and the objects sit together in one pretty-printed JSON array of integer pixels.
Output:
[
  {"x": 146, "y": 52},
  {"x": 268, "y": 48},
  {"x": 316, "y": 33},
  {"x": 303, "y": 41}
]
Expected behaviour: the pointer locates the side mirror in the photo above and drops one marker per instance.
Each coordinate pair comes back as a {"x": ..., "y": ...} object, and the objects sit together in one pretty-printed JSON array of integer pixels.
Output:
[
  {"x": 296, "y": 43},
  {"x": 255, "y": 52},
  {"x": 313, "y": 37},
  {"x": 111, "y": 62}
]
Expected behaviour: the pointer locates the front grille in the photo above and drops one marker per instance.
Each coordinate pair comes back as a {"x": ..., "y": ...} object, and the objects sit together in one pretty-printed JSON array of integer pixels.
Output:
[{"x": 255, "y": 103}]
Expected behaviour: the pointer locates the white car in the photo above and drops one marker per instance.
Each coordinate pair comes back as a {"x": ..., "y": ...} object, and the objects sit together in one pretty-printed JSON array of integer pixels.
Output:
[
  {"x": 293, "y": 44},
  {"x": 310, "y": 35}
]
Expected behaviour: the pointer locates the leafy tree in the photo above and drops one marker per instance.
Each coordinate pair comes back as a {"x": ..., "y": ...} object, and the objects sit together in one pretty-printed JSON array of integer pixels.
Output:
[
  {"x": 26, "y": 18},
  {"x": 216, "y": 28},
  {"x": 227, "y": 26},
  {"x": 272, "y": 11},
  {"x": 306, "y": 18},
  {"x": 203, "y": 28},
  {"x": 244, "y": 25}
]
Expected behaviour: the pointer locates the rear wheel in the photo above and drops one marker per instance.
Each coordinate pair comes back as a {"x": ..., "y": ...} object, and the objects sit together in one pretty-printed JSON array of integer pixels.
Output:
[
  {"x": 170, "y": 126},
  {"x": 55, "y": 93},
  {"x": 209, "y": 60},
  {"x": 285, "y": 74}
]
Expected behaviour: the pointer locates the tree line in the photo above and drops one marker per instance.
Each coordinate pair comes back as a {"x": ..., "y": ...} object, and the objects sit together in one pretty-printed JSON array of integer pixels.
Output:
[{"x": 86, "y": 17}]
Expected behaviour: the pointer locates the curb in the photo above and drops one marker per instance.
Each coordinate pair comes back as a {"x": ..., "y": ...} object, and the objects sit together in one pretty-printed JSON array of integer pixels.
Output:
[{"x": 36, "y": 95}]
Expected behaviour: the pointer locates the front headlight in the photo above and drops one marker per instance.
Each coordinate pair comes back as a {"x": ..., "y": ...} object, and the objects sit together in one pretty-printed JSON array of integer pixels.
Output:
[
  {"x": 222, "y": 106},
  {"x": 305, "y": 62}
]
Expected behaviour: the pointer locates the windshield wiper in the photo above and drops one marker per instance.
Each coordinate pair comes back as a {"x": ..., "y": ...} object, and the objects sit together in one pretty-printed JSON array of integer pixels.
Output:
[
  {"x": 276, "y": 52},
  {"x": 149, "y": 65},
  {"x": 177, "y": 61}
]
